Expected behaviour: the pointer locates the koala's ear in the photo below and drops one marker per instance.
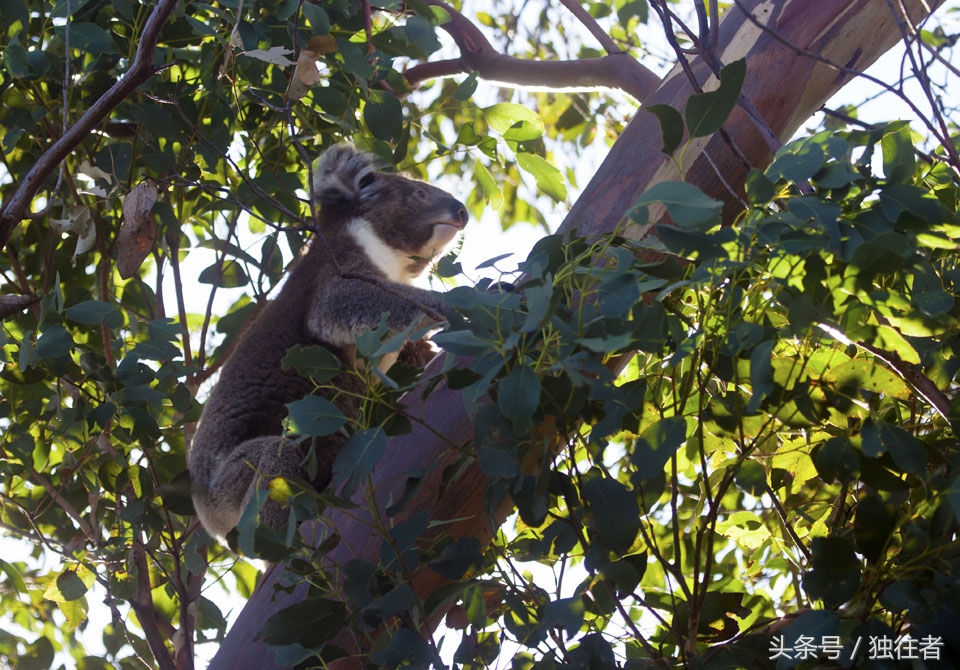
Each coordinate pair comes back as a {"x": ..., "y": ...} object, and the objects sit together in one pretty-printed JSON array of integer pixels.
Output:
[{"x": 341, "y": 174}]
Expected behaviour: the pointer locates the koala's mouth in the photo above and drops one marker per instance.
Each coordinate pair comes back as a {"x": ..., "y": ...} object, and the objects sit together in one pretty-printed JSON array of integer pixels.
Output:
[{"x": 444, "y": 231}]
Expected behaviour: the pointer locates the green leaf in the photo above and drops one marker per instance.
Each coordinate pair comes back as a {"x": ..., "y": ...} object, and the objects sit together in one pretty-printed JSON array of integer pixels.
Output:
[
  {"x": 383, "y": 115},
  {"x": 95, "y": 312},
  {"x": 864, "y": 374},
  {"x": 622, "y": 404},
  {"x": 423, "y": 35},
  {"x": 751, "y": 477},
  {"x": 549, "y": 179},
  {"x": 687, "y": 205},
  {"x": 518, "y": 396},
  {"x": 313, "y": 361},
  {"x": 70, "y": 585},
  {"x": 356, "y": 459},
  {"x": 466, "y": 88},
  {"x": 899, "y": 157},
  {"x": 318, "y": 19},
  {"x": 706, "y": 113},
  {"x": 564, "y": 613},
  {"x": 656, "y": 445},
  {"x": 14, "y": 578},
  {"x": 761, "y": 374},
  {"x": 23, "y": 64},
  {"x": 797, "y": 161},
  {"x": 760, "y": 190},
  {"x": 503, "y": 115},
  {"x": 88, "y": 37},
  {"x": 54, "y": 343},
  {"x": 456, "y": 559},
  {"x": 612, "y": 512},
  {"x": 896, "y": 199},
  {"x": 228, "y": 274},
  {"x": 314, "y": 416},
  {"x": 671, "y": 126},
  {"x": 836, "y": 461}
]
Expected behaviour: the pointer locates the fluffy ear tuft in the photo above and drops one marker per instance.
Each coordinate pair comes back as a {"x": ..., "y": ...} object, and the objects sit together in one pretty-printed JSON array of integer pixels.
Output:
[{"x": 340, "y": 174}]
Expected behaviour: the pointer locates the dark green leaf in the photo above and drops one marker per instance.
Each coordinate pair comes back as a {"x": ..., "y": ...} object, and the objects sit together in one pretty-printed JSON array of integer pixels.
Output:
[
  {"x": 835, "y": 577},
  {"x": 423, "y": 35},
  {"x": 23, "y": 64},
  {"x": 899, "y": 159},
  {"x": 94, "y": 312},
  {"x": 88, "y": 37},
  {"x": 761, "y": 374},
  {"x": 612, "y": 512},
  {"x": 907, "y": 451},
  {"x": 317, "y": 17},
  {"x": 356, "y": 459},
  {"x": 565, "y": 614},
  {"x": 656, "y": 445},
  {"x": 953, "y": 495},
  {"x": 896, "y": 199},
  {"x": 383, "y": 115},
  {"x": 54, "y": 343},
  {"x": 314, "y": 416},
  {"x": 760, "y": 190},
  {"x": 228, "y": 274},
  {"x": 688, "y": 206},
  {"x": 752, "y": 478},
  {"x": 706, "y": 113},
  {"x": 671, "y": 126},
  {"x": 518, "y": 396},
  {"x": 308, "y": 622},
  {"x": 70, "y": 585},
  {"x": 457, "y": 558},
  {"x": 313, "y": 361},
  {"x": 797, "y": 161},
  {"x": 466, "y": 87},
  {"x": 836, "y": 461}
]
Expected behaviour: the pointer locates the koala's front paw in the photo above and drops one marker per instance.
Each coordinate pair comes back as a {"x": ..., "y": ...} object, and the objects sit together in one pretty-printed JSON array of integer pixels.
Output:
[{"x": 416, "y": 354}]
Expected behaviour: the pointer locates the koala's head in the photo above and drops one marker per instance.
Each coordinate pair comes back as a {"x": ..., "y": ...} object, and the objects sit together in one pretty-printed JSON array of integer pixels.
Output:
[{"x": 401, "y": 223}]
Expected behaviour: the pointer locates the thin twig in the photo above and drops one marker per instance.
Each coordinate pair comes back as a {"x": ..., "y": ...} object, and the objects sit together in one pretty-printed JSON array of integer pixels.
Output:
[
  {"x": 592, "y": 26},
  {"x": 16, "y": 208}
]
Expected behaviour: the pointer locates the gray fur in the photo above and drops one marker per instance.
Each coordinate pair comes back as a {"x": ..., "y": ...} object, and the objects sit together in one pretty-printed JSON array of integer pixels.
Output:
[{"x": 382, "y": 226}]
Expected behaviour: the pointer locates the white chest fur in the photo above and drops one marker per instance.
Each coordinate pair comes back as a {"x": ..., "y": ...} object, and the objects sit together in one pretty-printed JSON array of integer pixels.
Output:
[{"x": 392, "y": 262}]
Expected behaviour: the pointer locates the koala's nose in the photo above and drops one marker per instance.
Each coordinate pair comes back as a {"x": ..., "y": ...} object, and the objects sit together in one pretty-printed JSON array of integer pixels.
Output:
[
  {"x": 457, "y": 212},
  {"x": 462, "y": 215}
]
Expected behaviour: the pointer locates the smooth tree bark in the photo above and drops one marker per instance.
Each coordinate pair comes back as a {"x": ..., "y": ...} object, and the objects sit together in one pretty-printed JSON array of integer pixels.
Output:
[{"x": 798, "y": 54}]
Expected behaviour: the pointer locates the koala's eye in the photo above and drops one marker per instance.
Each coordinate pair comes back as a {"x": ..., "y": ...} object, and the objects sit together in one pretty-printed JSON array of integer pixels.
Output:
[{"x": 366, "y": 179}]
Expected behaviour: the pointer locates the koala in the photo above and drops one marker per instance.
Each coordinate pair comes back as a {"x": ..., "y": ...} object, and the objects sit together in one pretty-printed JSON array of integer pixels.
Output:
[{"x": 377, "y": 232}]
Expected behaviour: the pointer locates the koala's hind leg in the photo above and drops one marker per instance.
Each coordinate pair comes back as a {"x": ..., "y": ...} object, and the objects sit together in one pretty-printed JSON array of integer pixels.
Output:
[{"x": 234, "y": 479}]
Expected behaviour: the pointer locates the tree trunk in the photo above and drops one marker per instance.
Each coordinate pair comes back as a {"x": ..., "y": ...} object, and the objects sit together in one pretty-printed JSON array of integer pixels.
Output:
[{"x": 790, "y": 74}]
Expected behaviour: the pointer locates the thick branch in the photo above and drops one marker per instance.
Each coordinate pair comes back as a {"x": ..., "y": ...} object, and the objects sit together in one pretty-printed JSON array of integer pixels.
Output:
[
  {"x": 18, "y": 206},
  {"x": 618, "y": 70}
]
